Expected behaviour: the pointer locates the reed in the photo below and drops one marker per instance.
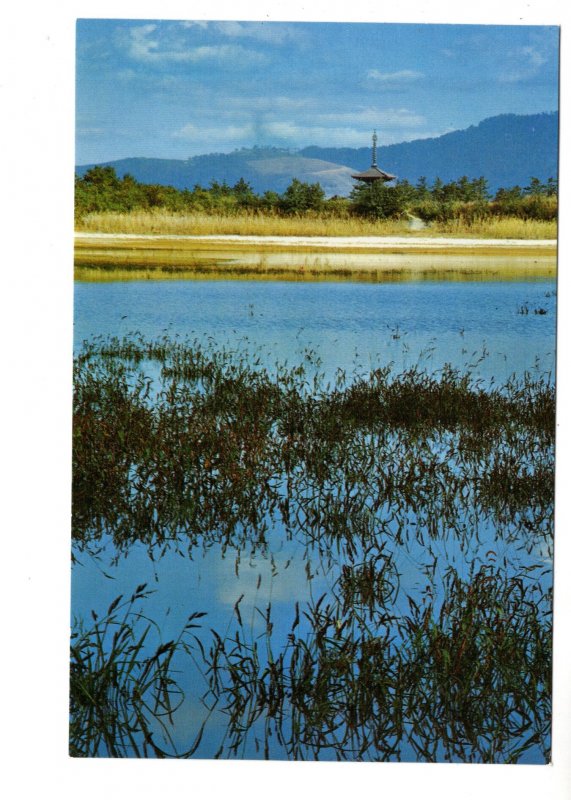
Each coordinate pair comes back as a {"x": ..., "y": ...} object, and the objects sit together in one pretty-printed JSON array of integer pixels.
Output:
[
  {"x": 187, "y": 445},
  {"x": 122, "y": 699},
  {"x": 501, "y": 228},
  {"x": 244, "y": 224},
  {"x": 465, "y": 679}
]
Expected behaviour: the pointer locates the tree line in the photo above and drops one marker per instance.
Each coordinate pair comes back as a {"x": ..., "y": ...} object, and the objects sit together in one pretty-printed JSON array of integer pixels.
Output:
[{"x": 100, "y": 189}]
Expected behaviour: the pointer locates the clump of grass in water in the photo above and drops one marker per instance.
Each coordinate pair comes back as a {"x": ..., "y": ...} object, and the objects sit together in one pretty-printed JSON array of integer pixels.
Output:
[
  {"x": 465, "y": 678},
  {"x": 219, "y": 449},
  {"x": 121, "y": 699},
  {"x": 218, "y": 446},
  {"x": 469, "y": 681}
]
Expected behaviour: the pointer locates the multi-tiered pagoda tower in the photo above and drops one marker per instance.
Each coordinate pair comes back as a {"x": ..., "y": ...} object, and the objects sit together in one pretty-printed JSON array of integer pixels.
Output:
[{"x": 374, "y": 174}]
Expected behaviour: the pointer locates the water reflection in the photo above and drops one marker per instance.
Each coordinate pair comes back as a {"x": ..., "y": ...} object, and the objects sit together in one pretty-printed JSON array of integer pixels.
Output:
[
  {"x": 122, "y": 260},
  {"x": 429, "y": 324},
  {"x": 344, "y": 569}
]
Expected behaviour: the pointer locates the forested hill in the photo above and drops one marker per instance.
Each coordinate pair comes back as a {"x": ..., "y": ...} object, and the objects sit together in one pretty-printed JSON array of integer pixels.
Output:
[
  {"x": 264, "y": 168},
  {"x": 507, "y": 150}
]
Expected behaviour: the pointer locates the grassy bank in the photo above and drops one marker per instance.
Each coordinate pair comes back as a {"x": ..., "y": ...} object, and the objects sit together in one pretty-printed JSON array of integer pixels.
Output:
[{"x": 244, "y": 224}]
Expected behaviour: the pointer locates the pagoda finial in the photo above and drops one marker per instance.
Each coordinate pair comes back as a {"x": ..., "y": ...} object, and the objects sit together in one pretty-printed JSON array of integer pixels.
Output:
[{"x": 374, "y": 162}]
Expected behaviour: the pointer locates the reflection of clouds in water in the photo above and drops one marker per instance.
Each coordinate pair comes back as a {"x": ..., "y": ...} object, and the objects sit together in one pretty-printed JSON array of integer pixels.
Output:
[
  {"x": 543, "y": 550},
  {"x": 192, "y": 713},
  {"x": 339, "y": 318},
  {"x": 277, "y": 579}
]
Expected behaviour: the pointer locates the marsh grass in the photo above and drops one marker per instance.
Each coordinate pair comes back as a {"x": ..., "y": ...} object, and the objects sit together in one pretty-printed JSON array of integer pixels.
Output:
[
  {"x": 466, "y": 678},
  {"x": 165, "y": 222},
  {"x": 157, "y": 222},
  {"x": 122, "y": 700},
  {"x": 208, "y": 448},
  {"x": 187, "y": 445},
  {"x": 464, "y": 674}
]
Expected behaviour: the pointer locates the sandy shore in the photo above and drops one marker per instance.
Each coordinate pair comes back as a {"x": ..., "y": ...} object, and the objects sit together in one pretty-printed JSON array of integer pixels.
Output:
[
  {"x": 378, "y": 243},
  {"x": 112, "y": 256}
]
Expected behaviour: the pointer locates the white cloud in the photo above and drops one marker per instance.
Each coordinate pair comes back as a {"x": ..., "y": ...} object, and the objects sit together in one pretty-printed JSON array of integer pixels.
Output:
[
  {"x": 383, "y": 119},
  {"x": 349, "y": 130},
  {"x": 273, "y": 33},
  {"x": 283, "y": 129},
  {"x": 215, "y": 135},
  {"x": 221, "y": 52},
  {"x": 522, "y": 64},
  {"x": 393, "y": 80},
  {"x": 143, "y": 46},
  {"x": 197, "y": 23},
  {"x": 246, "y": 126},
  {"x": 269, "y": 103}
]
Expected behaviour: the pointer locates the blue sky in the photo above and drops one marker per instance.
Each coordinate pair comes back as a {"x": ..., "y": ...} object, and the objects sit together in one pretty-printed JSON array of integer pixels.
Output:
[{"x": 171, "y": 89}]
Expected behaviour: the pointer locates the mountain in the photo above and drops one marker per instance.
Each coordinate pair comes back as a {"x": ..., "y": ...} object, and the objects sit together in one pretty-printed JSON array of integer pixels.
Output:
[
  {"x": 265, "y": 169},
  {"x": 507, "y": 150}
]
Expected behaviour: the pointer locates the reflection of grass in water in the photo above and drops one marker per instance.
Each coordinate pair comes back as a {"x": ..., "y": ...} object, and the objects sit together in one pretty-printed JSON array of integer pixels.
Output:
[
  {"x": 221, "y": 450},
  {"x": 235, "y": 432},
  {"x": 163, "y": 259},
  {"x": 122, "y": 699},
  {"x": 106, "y": 273},
  {"x": 467, "y": 679}
]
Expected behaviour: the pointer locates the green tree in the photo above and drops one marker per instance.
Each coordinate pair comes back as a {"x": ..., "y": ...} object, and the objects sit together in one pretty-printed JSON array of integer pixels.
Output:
[
  {"x": 437, "y": 190},
  {"x": 378, "y": 201},
  {"x": 535, "y": 187},
  {"x": 244, "y": 194},
  {"x": 422, "y": 191},
  {"x": 270, "y": 201},
  {"x": 480, "y": 189},
  {"x": 300, "y": 197},
  {"x": 98, "y": 190},
  {"x": 102, "y": 177},
  {"x": 551, "y": 187}
]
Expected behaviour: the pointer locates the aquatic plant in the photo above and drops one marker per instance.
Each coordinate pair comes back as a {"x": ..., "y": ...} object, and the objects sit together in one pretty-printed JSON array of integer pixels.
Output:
[
  {"x": 217, "y": 446},
  {"x": 465, "y": 678},
  {"x": 189, "y": 445},
  {"x": 122, "y": 699}
]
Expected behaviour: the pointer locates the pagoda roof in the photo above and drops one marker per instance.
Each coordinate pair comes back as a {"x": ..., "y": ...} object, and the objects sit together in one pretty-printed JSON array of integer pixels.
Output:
[{"x": 373, "y": 174}]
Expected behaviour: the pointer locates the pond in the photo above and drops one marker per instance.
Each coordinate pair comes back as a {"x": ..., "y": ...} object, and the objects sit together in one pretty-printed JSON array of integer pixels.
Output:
[
  {"x": 513, "y": 323},
  {"x": 337, "y": 528}
]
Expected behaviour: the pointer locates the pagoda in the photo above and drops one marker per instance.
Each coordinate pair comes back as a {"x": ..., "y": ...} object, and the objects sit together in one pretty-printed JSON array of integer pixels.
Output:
[{"x": 374, "y": 174}]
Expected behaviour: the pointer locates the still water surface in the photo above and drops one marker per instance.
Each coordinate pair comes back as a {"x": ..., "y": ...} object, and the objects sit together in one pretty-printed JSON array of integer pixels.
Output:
[
  {"x": 348, "y": 324},
  {"x": 494, "y": 329}
]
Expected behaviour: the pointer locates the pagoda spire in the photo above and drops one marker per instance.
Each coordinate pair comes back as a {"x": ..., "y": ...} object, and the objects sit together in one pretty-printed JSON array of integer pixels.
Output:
[{"x": 374, "y": 161}]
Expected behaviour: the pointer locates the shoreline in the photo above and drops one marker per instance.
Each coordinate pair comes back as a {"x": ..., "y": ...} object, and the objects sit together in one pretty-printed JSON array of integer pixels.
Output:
[
  {"x": 112, "y": 256},
  {"x": 350, "y": 243}
]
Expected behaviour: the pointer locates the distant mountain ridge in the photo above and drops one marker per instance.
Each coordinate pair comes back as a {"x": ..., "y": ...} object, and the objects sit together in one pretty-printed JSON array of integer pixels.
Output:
[{"x": 507, "y": 150}]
